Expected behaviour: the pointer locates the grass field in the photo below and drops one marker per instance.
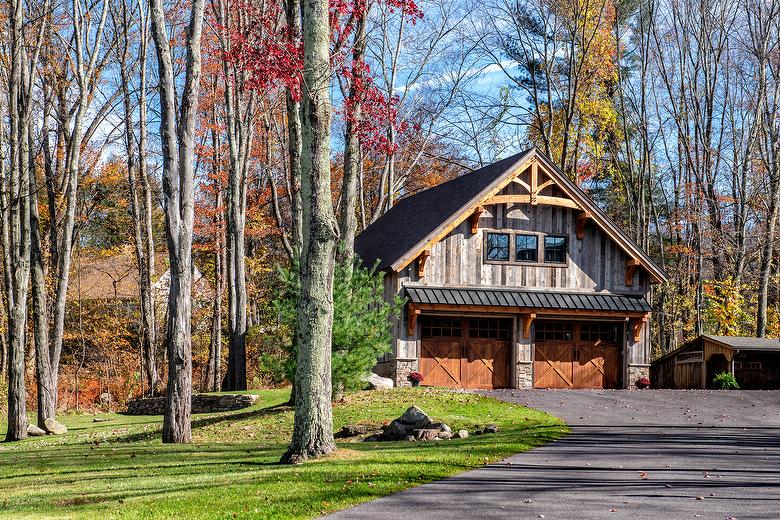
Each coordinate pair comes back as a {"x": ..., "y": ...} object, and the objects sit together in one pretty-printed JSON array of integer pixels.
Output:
[{"x": 120, "y": 469}]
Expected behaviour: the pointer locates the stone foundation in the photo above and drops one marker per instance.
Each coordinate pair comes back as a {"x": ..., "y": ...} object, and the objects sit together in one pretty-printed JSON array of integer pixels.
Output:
[
  {"x": 404, "y": 367},
  {"x": 524, "y": 374},
  {"x": 201, "y": 403},
  {"x": 636, "y": 372}
]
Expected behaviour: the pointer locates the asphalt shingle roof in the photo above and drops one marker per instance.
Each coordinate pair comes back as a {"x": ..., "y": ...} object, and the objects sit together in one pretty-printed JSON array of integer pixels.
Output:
[{"x": 414, "y": 217}]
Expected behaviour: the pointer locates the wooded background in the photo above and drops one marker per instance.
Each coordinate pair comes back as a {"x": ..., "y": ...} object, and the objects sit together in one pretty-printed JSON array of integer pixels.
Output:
[{"x": 666, "y": 111}]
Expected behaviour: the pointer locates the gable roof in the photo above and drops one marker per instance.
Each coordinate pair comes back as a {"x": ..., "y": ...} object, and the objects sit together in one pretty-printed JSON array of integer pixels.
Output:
[
  {"x": 416, "y": 222},
  {"x": 744, "y": 343},
  {"x": 413, "y": 218}
]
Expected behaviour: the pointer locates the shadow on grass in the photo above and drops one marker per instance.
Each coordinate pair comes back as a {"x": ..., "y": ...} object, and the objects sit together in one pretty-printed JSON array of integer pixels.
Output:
[{"x": 207, "y": 420}]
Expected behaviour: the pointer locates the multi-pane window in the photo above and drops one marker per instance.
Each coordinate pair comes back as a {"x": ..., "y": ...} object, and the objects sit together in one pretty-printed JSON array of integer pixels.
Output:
[
  {"x": 435, "y": 327},
  {"x": 555, "y": 249},
  {"x": 489, "y": 328},
  {"x": 497, "y": 246},
  {"x": 553, "y": 331},
  {"x": 526, "y": 248},
  {"x": 600, "y": 332}
]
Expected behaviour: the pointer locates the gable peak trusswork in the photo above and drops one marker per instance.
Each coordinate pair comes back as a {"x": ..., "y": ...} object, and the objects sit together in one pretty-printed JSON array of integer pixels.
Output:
[{"x": 419, "y": 221}]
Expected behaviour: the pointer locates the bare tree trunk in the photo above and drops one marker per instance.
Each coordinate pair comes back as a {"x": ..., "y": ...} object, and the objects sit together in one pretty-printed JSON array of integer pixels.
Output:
[
  {"x": 18, "y": 233},
  {"x": 348, "y": 203},
  {"x": 139, "y": 209},
  {"x": 239, "y": 119},
  {"x": 87, "y": 72},
  {"x": 214, "y": 368},
  {"x": 313, "y": 428},
  {"x": 149, "y": 310},
  {"x": 178, "y": 187},
  {"x": 47, "y": 400},
  {"x": 294, "y": 139}
]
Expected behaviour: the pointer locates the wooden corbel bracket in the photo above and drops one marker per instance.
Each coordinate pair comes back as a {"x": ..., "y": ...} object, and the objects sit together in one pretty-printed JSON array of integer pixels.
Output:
[
  {"x": 528, "y": 320},
  {"x": 411, "y": 322},
  {"x": 421, "y": 260},
  {"x": 636, "y": 327},
  {"x": 474, "y": 221},
  {"x": 582, "y": 219},
  {"x": 631, "y": 267}
]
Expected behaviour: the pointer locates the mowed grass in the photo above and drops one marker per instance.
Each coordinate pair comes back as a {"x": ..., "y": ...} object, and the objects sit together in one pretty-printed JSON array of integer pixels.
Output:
[{"x": 120, "y": 469}]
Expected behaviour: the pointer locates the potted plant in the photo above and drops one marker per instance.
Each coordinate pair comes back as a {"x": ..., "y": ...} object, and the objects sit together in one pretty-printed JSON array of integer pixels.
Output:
[
  {"x": 642, "y": 383},
  {"x": 415, "y": 378}
]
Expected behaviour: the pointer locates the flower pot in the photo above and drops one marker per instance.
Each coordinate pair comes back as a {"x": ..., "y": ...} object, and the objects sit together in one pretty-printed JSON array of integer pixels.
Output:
[{"x": 414, "y": 382}]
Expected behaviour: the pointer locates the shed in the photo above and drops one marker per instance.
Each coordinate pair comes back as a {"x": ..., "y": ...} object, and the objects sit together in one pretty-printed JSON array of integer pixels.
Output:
[{"x": 754, "y": 362}]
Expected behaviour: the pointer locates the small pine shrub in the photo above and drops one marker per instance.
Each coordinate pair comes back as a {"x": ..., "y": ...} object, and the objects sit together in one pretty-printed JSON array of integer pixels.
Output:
[
  {"x": 725, "y": 381},
  {"x": 361, "y": 324}
]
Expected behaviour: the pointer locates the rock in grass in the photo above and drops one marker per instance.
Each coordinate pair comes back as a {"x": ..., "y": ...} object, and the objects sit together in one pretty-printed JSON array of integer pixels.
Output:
[
  {"x": 415, "y": 417},
  {"x": 490, "y": 428},
  {"x": 353, "y": 430},
  {"x": 34, "y": 431},
  {"x": 461, "y": 434},
  {"x": 426, "y": 434},
  {"x": 378, "y": 382},
  {"x": 54, "y": 427}
]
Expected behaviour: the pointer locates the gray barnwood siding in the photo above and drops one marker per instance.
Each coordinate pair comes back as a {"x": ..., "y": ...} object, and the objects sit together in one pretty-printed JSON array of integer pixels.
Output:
[{"x": 594, "y": 264}]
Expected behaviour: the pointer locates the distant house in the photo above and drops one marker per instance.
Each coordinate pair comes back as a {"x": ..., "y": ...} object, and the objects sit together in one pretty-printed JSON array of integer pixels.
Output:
[
  {"x": 754, "y": 362},
  {"x": 115, "y": 277},
  {"x": 513, "y": 277}
]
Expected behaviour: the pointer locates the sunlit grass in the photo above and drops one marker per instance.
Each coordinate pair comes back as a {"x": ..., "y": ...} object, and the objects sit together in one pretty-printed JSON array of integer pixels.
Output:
[{"x": 120, "y": 469}]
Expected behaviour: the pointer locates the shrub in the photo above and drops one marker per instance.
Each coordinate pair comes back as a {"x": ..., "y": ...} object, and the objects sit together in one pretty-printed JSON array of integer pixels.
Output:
[
  {"x": 642, "y": 383},
  {"x": 361, "y": 322},
  {"x": 725, "y": 381},
  {"x": 416, "y": 376}
]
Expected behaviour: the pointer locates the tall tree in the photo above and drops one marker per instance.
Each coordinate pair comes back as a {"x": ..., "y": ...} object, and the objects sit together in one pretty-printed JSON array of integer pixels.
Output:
[
  {"x": 313, "y": 427},
  {"x": 177, "y": 132}
]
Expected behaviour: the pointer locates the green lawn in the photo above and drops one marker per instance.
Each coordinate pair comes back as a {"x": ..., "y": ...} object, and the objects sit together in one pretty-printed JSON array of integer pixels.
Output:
[{"x": 119, "y": 468}]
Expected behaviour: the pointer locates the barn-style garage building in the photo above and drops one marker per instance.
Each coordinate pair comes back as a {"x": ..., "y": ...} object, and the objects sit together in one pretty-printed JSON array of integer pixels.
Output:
[
  {"x": 513, "y": 277},
  {"x": 754, "y": 362}
]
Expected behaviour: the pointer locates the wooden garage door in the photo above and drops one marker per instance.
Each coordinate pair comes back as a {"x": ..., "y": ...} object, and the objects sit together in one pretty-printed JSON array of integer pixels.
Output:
[
  {"x": 465, "y": 353},
  {"x": 577, "y": 355}
]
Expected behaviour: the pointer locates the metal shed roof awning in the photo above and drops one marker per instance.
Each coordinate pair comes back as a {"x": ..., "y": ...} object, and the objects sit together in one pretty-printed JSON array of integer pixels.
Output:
[{"x": 529, "y": 301}]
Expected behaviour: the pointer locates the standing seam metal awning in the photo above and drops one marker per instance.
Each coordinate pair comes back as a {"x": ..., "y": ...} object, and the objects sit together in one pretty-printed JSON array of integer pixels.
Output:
[{"x": 517, "y": 298}]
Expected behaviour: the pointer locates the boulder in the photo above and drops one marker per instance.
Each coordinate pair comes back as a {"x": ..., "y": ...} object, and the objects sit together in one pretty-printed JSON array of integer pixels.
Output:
[
  {"x": 490, "y": 428},
  {"x": 353, "y": 430},
  {"x": 414, "y": 416},
  {"x": 396, "y": 431},
  {"x": 377, "y": 382},
  {"x": 54, "y": 427},
  {"x": 461, "y": 434},
  {"x": 426, "y": 434},
  {"x": 441, "y": 426},
  {"x": 445, "y": 435},
  {"x": 34, "y": 431}
]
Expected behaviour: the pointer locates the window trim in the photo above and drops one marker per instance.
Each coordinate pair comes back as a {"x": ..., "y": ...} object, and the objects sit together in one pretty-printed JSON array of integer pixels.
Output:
[
  {"x": 509, "y": 247},
  {"x": 536, "y": 249},
  {"x": 565, "y": 249},
  {"x": 512, "y": 233}
]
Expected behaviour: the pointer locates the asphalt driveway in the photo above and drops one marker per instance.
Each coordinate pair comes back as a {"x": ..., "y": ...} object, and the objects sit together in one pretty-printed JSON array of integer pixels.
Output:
[{"x": 664, "y": 454}]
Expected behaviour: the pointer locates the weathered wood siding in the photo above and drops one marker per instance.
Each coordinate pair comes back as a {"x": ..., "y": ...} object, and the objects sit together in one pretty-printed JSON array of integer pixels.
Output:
[
  {"x": 595, "y": 263},
  {"x": 668, "y": 373}
]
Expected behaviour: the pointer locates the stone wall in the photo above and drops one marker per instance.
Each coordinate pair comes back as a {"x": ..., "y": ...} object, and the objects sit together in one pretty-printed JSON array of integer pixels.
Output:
[
  {"x": 635, "y": 372},
  {"x": 524, "y": 374},
  {"x": 201, "y": 403},
  {"x": 404, "y": 367}
]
